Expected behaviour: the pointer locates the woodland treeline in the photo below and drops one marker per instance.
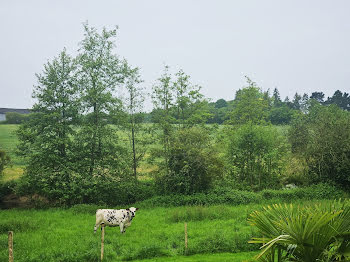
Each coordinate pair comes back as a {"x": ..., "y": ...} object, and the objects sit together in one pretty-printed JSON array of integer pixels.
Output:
[{"x": 75, "y": 152}]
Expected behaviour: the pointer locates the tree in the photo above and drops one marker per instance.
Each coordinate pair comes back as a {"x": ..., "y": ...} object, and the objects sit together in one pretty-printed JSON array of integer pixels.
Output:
[
  {"x": 220, "y": 103},
  {"x": 304, "y": 103},
  {"x": 276, "y": 99},
  {"x": 280, "y": 115},
  {"x": 323, "y": 138},
  {"x": 340, "y": 99},
  {"x": 255, "y": 155},
  {"x": 46, "y": 139},
  {"x": 318, "y": 96},
  {"x": 100, "y": 73},
  {"x": 250, "y": 105},
  {"x": 296, "y": 103},
  {"x": 163, "y": 99},
  {"x": 193, "y": 162},
  {"x": 134, "y": 106},
  {"x": 191, "y": 107}
]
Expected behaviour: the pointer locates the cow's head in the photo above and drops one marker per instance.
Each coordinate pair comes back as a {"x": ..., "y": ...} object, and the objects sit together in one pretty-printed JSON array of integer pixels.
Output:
[{"x": 133, "y": 211}]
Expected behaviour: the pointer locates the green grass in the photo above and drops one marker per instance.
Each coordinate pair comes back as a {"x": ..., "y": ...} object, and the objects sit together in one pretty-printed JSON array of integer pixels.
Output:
[
  {"x": 223, "y": 257},
  {"x": 8, "y": 142},
  {"x": 67, "y": 235},
  {"x": 215, "y": 233}
]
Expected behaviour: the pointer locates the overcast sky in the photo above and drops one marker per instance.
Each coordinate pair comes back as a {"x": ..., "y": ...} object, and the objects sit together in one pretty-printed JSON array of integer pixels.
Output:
[{"x": 296, "y": 45}]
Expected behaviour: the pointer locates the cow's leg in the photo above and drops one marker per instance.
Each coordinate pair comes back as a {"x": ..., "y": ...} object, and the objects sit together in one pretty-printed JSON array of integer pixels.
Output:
[
  {"x": 122, "y": 230},
  {"x": 98, "y": 223}
]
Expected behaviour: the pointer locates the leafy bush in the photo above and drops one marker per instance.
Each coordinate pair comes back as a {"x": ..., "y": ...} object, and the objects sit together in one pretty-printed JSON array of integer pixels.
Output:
[
  {"x": 77, "y": 190},
  {"x": 320, "y": 191},
  {"x": 219, "y": 196},
  {"x": 192, "y": 165},
  {"x": 256, "y": 155},
  {"x": 328, "y": 161},
  {"x": 6, "y": 188},
  {"x": 303, "y": 233}
]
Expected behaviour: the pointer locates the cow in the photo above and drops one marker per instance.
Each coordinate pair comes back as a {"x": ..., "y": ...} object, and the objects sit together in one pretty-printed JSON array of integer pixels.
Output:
[{"x": 115, "y": 217}]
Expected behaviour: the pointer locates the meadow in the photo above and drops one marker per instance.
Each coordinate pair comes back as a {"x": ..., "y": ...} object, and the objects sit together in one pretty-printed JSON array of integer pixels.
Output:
[{"x": 215, "y": 233}]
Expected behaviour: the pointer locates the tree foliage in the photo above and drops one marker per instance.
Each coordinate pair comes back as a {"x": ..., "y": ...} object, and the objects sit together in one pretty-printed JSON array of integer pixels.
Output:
[
  {"x": 193, "y": 162},
  {"x": 100, "y": 72},
  {"x": 323, "y": 138},
  {"x": 256, "y": 155},
  {"x": 250, "y": 105}
]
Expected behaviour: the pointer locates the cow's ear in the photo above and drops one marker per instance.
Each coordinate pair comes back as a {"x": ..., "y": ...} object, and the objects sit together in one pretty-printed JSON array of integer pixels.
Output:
[
  {"x": 137, "y": 208},
  {"x": 128, "y": 209}
]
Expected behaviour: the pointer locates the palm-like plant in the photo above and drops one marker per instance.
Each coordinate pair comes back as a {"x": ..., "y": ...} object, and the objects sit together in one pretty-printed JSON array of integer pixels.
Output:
[{"x": 308, "y": 233}]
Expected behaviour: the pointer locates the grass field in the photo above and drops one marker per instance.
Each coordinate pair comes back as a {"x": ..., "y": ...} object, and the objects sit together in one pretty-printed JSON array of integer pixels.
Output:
[
  {"x": 8, "y": 142},
  {"x": 67, "y": 235}
]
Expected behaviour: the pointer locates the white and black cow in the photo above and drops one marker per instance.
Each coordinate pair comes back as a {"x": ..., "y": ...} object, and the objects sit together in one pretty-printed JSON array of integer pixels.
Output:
[{"x": 115, "y": 217}]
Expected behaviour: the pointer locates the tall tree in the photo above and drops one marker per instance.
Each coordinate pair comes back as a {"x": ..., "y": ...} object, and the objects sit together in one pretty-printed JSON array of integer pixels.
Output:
[
  {"x": 191, "y": 107},
  {"x": 296, "y": 103},
  {"x": 100, "y": 73},
  {"x": 322, "y": 137},
  {"x": 134, "y": 105},
  {"x": 46, "y": 139},
  {"x": 163, "y": 100},
  {"x": 340, "y": 99},
  {"x": 250, "y": 105},
  {"x": 304, "y": 103},
  {"x": 318, "y": 96},
  {"x": 276, "y": 98}
]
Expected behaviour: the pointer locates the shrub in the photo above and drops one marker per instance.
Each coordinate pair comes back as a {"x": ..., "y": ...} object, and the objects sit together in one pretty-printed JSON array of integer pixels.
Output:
[
  {"x": 6, "y": 188},
  {"x": 256, "y": 155},
  {"x": 75, "y": 189},
  {"x": 303, "y": 233},
  {"x": 320, "y": 191},
  {"x": 192, "y": 165},
  {"x": 328, "y": 161}
]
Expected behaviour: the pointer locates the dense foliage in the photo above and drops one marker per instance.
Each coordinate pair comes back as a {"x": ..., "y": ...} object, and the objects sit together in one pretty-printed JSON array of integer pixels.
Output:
[
  {"x": 256, "y": 155},
  {"x": 193, "y": 163},
  {"x": 307, "y": 233},
  {"x": 323, "y": 137}
]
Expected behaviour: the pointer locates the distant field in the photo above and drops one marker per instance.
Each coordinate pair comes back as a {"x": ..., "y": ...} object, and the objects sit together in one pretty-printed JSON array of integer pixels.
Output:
[{"x": 8, "y": 142}]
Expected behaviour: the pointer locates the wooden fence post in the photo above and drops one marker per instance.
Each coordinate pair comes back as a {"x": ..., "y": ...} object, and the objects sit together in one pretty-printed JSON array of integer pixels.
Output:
[
  {"x": 10, "y": 246},
  {"x": 186, "y": 239},
  {"x": 102, "y": 240}
]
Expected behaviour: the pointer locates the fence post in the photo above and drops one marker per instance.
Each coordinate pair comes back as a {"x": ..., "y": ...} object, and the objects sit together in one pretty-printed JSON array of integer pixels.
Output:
[
  {"x": 186, "y": 239},
  {"x": 10, "y": 238},
  {"x": 102, "y": 240}
]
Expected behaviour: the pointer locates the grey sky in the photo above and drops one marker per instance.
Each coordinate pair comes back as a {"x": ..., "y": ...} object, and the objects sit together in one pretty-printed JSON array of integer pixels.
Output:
[{"x": 296, "y": 46}]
